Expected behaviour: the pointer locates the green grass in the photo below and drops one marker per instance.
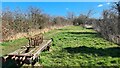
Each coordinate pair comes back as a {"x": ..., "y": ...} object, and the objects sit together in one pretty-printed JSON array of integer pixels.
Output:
[
  {"x": 77, "y": 46},
  {"x": 8, "y": 47},
  {"x": 73, "y": 46}
]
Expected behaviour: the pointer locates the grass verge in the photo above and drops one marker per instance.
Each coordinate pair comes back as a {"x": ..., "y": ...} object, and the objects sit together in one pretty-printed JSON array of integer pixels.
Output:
[
  {"x": 73, "y": 46},
  {"x": 77, "y": 46},
  {"x": 8, "y": 47}
]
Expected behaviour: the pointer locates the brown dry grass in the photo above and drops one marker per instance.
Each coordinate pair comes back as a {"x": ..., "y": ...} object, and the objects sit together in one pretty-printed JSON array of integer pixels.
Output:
[{"x": 33, "y": 32}]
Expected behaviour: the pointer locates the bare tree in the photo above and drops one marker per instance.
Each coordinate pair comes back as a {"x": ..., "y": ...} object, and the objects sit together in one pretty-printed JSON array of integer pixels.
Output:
[
  {"x": 109, "y": 25},
  {"x": 70, "y": 16},
  {"x": 118, "y": 8}
]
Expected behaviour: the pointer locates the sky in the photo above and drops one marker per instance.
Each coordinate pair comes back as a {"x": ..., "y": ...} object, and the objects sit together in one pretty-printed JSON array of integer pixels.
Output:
[
  {"x": 59, "y": 0},
  {"x": 60, "y": 8}
]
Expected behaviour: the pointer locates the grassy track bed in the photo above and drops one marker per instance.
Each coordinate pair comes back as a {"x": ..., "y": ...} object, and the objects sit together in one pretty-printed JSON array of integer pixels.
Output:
[
  {"x": 77, "y": 46},
  {"x": 73, "y": 46},
  {"x": 8, "y": 47}
]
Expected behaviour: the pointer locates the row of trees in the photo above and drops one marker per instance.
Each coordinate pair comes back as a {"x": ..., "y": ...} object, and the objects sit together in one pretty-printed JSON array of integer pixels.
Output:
[
  {"x": 109, "y": 26},
  {"x": 17, "y": 21}
]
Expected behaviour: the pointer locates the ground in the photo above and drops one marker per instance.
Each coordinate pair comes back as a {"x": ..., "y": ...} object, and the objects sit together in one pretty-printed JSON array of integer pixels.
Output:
[
  {"x": 73, "y": 46},
  {"x": 77, "y": 46},
  {"x": 8, "y": 47}
]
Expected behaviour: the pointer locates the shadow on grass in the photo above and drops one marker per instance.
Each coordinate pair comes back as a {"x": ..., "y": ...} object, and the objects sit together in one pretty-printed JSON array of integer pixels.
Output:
[
  {"x": 10, "y": 63},
  {"x": 113, "y": 51},
  {"x": 89, "y": 28},
  {"x": 63, "y": 29},
  {"x": 84, "y": 34}
]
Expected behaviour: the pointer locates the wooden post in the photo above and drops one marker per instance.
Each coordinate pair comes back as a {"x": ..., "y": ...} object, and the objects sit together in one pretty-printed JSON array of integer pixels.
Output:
[
  {"x": 13, "y": 57},
  {"x": 23, "y": 59},
  {"x": 16, "y": 58},
  {"x": 20, "y": 58},
  {"x": 5, "y": 58}
]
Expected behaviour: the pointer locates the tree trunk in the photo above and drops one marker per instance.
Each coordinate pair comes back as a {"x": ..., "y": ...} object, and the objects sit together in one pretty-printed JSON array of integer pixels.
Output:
[{"x": 119, "y": 18}]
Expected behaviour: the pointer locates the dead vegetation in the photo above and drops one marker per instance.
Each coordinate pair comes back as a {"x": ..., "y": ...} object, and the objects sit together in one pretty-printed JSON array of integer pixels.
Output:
[
  {"x": 109, "y": 26},
  {"x": 16, "y": 23}
]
